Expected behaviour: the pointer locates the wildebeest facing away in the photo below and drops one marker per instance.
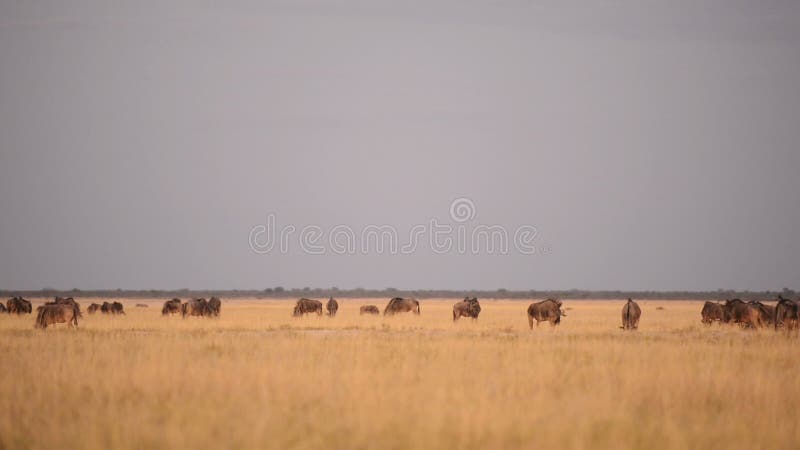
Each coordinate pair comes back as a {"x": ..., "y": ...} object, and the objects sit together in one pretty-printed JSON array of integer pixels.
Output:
[
  {"x": 711, "y": 311},
  {"x": 18, "y": 305},
  {"x": 469, "y": 307},
  {"x": 787, "y": 314},
  {"x": 398, "y": 305},
  {"x": 171, "y": 307},
  {"x": 549, "y": 310},
  {"x": 93, "y": 308},
  {"x": 630, "y": 315},
  {"x": 195, "y": 307},
  {"x": 332, "y": 306},
  {"x": 112, "y": 308},
  {"x": 214, "y": 306},
  {"x": 737, "y": 311},
  {"x": 307, "y": 306},
  {"x": 53, "y": 313},
  {"x": 369, "y": 309}
]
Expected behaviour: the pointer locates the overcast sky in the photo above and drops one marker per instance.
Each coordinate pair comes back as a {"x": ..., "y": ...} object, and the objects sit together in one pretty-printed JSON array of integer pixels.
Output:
[{"x": 653, "y": 145}]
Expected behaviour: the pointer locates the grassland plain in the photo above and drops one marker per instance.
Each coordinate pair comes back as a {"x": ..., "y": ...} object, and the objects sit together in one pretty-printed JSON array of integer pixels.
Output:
[{"x": 258, "y": 378}]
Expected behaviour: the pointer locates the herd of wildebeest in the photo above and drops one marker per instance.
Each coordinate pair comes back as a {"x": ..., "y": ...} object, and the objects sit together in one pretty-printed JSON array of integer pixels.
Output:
[{"x": 748, "y": 314}]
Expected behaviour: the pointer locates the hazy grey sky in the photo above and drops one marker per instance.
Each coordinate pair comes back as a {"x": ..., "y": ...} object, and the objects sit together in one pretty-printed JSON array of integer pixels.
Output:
[{"x": 654, "y": 145}]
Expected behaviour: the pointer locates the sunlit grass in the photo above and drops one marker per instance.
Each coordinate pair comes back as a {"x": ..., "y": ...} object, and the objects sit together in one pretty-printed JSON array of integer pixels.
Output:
[{"x": 256, "y": 377}]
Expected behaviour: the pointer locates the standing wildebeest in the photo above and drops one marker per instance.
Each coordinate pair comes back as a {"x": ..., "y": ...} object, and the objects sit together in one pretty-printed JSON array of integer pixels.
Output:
[
  {"x": 737, "y": 311},
  {"x": 307, "y": 306},
  {"x": 398, "y": 305},
  {"x": 549, "y": 310},
  {"x": 712, "y": 311},
  {"x": 214, "y": 305},
  {"x": 19, "y": 305},
  {"x": 195, "y": 307},
  {"x": 53, "y": 313},
  {"x": 112, "y": 308},
  {"x": 93, "y": 308},
  {"x": 369, "y": 309},
  {"x": 65, "y": 301},
  {"x": 787, "y": 313},
  {"x": 332, "y": 306},
  {"x": 171, "y": 307},
  {"x": 469, "y": 307},
  {"x": 630, "y": 315}
]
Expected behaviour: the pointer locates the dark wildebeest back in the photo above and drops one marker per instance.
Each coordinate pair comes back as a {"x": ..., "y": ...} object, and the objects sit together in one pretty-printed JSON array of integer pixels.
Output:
[
  {"x": 214, "y": 306},
  {"x": 469, "y": 307},
  {"x": 307, "y": 306},
  {"x": 53, "y": 313},
  {"x": 737, "y": 311},
  {"x": 195, "y": 307},
  {"x": 630, "y": 315},
  {"x": 93, "y": 308},
  {"x": 369, "y": 309},
  {"x": 399, "y": 305},
  {"x": 712, "y": 311},
  {"x": 787, "y": 314},
  {"x": 547, "y": 310},
  {"x": 171, "y": 307},
  {"x": 18, "y": 305},
  {"x": 332, "y": 306}
]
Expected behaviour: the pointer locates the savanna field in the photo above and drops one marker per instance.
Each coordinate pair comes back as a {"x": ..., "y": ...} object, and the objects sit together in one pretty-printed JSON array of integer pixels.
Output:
[{"x": 258, "y": 378}]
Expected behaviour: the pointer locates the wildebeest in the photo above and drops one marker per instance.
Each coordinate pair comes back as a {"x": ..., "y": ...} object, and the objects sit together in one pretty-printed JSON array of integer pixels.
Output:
[
  {"x": 65, "y": 301},
  {"x": 630, "y": 315},
  {"x": 307, "y": 306},
  {"x": 214, "y": 305},
  {"x": 195, "y": 307},
  {"x": 712, "y": 311},
  {"x": 787, "y": 314},
  {"x": 369, "y": 309},
  {"x": 93, "y": 308},
  {"x": 112, "y": 308},
  {"x": 398, "y": 305},
  {"x": 18, "y": 305},
  {"x": 332, "y": 306},
  {"x": 737, "y": 311},
  {"x": 171, "y": 307},
  {"x": 469, "y": 307},
  {"x": 53, "y": 313},
  {"x": 549, "y": 310}
]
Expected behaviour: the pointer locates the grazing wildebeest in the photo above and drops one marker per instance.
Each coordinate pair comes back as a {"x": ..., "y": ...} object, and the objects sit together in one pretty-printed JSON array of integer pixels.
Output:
[
  {"x": 307, "y": 306},
  {"x": 469, "y": 307},
  {"x": 171, "y": 307},
  {"x": 195, "y": 307},
  {"x": 630, "y": 315},
  {"x": 712, "y": 311},
  {"x": 787, "y": 314},
  {"x": 737, "y": 311},
  {"x": 93, "y": 308},
  {"x": 214, "y": 305},
  {"x": 766, "y": 312},
  {"x": 332, "y": 306},
  {"x": 53, "y": 313},
  {"x": 398, "y": 305},
  {"x": 369, "y": 309},
  {"x": 19, "y": 305},
  {"x": 112, "y": 308},
  {"x": 549, "y": 310}
]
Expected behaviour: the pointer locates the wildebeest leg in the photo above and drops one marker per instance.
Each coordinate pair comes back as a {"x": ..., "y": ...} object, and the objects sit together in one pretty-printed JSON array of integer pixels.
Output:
[{"x": 530, "y": 321}]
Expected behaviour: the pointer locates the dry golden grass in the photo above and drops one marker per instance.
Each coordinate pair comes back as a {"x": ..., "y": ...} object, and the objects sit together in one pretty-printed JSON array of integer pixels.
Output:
[{"x": 257, "y": 378}]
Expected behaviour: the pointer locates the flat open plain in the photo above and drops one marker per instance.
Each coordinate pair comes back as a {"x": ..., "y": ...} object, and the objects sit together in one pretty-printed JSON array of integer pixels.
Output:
[{"x": 258, "y": 378}]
